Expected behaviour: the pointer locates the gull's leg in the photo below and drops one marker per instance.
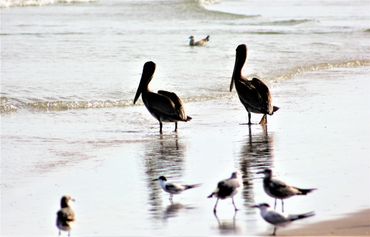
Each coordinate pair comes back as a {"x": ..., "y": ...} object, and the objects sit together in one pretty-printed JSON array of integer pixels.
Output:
[
  {"x": 282, "y": 205},
  {"x": 274, "y": 233},
  {"x": 214, "y": 208},
  {"x": 160, "y": 127},
  {"x": 275, "y": 205},
  {"x": 236, "y": 209}
]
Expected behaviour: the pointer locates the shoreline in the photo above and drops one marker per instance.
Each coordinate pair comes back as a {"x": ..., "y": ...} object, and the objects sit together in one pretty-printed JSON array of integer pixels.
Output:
[{"x": 357, "y": 224}]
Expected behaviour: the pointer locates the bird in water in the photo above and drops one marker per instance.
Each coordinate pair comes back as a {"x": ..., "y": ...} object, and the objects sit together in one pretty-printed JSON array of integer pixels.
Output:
[
  {"x": 201, "y": 42},
  {"x": 174, "y": 188},
  {"x": 165, "y": 106},
  {"x": 277, "y": 219},
  {"x": 279, "y": 190},
  {"x": 253, "y": 94},
  {"x": 65, "y": 216},
  {"x": 228, "y": 188}
]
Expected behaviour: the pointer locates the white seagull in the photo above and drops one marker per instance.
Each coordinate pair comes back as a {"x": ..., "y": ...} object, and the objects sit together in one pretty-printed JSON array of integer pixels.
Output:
[
  {"x": 227, "y": 188},
  {"x": 279, "y": 190},
  {"x": 277, "y": 219},
  {"x": 65, "y": 216},
  {"x": 173, "y": 188}
]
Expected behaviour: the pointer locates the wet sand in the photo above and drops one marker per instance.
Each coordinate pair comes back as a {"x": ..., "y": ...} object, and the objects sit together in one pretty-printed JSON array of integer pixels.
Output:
[
  {"x": 318, "y": 139},
  {"x": 356, "y": 224}
]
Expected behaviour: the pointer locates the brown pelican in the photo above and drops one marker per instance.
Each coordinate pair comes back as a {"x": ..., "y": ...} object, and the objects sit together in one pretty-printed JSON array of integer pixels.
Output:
[
  {"x": 65, "y": 216},
  {"x": 201, "y": 42},
  {"x": 165, "y": 106},
  {"x": 254, "y": 94}
]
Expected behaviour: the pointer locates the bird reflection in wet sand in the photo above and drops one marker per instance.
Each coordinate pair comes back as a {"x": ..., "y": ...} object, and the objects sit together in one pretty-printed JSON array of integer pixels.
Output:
[
  {"x": 165, "y": 106},
  {"x": 257, "y": 151},
  {"x": 253, "y": 94},
  {"x": 227, "y": 226},
  {"x": 162, "y": 155},
  {"x": 173, "y": 210}
]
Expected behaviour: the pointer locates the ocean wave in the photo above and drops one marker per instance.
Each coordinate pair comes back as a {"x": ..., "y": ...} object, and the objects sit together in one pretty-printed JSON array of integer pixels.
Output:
[
  {"x": 38, "y": 3},
  {"x": 291, "y": 73},
  {"x": 290, "y": 22}
]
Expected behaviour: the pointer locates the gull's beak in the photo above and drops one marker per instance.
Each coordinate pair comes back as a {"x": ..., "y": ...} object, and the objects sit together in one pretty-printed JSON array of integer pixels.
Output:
[
  {"x": 260, "y": 172},
  {"x": 254, "y": 206},
  {"x": 155, "y": 179}
]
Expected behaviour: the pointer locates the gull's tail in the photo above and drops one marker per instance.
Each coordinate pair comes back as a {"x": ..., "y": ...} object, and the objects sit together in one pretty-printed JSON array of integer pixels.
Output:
[
  {"x": 211, "y": 195},
  {"x": 191, "y": 186},
  {"x": 305, "y": 191},
  {"x": 301, "y": 216}
]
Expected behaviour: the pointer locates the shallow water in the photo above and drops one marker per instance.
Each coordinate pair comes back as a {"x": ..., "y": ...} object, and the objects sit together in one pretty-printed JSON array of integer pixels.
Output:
[{"x": 68, "y": 126}]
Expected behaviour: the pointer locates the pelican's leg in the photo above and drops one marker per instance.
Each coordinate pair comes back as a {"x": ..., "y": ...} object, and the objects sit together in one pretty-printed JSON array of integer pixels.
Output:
[
  {"x": 275, "y": 205},
  {"x": 263, "y": 120},
  {"x": 175, "y": 126},
  {"x": 274, "y": 233},
  {"x": 160, "y": 127},
  {"x": 236, "y": 209},
  {"x": 215, "y": 207},
  {"x": 249, "y": 118},
  {"x": 282, "y": 205}
]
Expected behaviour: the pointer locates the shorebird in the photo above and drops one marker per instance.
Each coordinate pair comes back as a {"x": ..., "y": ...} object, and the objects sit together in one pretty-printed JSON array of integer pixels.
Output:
[
  {"x": 65, "y": 216},
  {"x": 279, "y": 190},
  {"x": 173, "y": 188},
  {"x": 277, "y": 219},
  {"x": 227, "y": 188},
  {"x": 201, "y": 42},
  {"x": 253, "y": 94},
  {"x": 165, "y": 106}
]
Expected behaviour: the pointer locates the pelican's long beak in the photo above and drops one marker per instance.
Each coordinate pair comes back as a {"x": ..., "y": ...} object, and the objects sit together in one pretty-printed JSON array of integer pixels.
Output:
[
  {"x": 232, "y": 83},
  {"x": 139, "y": 89},
  {"x": 146, "y": 76}
]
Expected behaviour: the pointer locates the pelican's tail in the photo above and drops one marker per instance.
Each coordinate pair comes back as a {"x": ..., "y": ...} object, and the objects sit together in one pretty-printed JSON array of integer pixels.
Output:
[
  {"x": 192, "y": 186},
  {"x": 305, "y": 191},
  {"x": 274, "y": 109},
  {"x": 301, "y": 216},
  {"x": 188, "y": 118}
]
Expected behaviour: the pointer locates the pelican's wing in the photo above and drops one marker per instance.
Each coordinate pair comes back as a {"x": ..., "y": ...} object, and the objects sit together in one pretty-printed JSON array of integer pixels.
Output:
[
  {"x": 264, "y": 94},
  {"x": 248, "y": 94},
  {"x": 161, "y": 104},
  {"x": 177, "y": 101}
]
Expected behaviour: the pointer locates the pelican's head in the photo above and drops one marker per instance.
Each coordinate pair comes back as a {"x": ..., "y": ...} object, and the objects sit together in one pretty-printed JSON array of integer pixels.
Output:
[
  {"x": 267, "y": 172},
  {"x": 146, "y": 76},
  {"x": 65, "y": 201}
]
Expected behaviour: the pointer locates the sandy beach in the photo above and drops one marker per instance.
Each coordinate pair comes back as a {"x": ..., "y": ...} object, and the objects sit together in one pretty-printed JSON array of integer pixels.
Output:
[{"x": 356, "y": 224}]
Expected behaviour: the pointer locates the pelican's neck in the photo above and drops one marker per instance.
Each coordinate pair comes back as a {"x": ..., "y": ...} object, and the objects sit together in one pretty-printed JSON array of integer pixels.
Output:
[{"x": 239, "y": 63}]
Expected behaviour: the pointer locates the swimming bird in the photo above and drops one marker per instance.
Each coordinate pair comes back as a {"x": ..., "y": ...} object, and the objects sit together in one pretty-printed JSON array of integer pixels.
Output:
[
  {"x": 165, "y": 106},
  {"x": 278, "y": 189},
  {"x": 277, "y": 219},
  {"x": 253, "y": 94},
  {"x": 173, "y": 188},
  {"x": 227, "y": 188},
  {"x": 65, "y": 216},
  {"x": 201, "y": 42}
]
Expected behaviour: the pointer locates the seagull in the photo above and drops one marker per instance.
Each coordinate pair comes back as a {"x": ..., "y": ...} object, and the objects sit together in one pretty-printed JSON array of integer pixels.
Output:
[
  {"x": 173, "y": 188},
  {"x": 253, "y": 94},
  {"x": 201, "y": 42},
  {"x": 165, "y": 106},
  {"x": 227, "y": 188},
  {"x": 65, "y": 216},
  {"x": 280, "y": 190},
  {"x": 277, "y": 219}
]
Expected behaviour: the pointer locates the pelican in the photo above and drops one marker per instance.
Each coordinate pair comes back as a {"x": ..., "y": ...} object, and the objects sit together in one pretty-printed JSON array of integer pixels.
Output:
[
  {"x": 279, "y": 190},
  {"x": 165, "y": 106},
  {"x": 277, "y": 219},
  {"x": 65, "y": 216},
  {"x": 201, "y": 42},
  {"x": 253, "y": 94}
]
